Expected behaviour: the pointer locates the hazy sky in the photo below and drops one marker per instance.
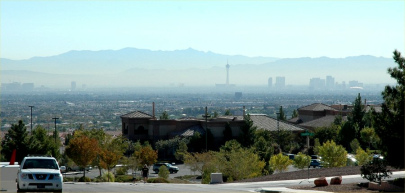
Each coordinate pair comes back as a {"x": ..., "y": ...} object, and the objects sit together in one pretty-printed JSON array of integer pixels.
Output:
[{"x": 258, "y": 28}]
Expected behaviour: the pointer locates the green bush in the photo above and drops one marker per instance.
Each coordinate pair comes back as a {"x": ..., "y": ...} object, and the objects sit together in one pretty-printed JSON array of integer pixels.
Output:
[
  {"x": 280, "y": 162},
  {"x": 83, "y": 179},
  {"x": 121, "y": 171},
  {"x": 375, "y": 170},
  {"x": 333, "y": 155},
  {"x": 107, "y": 176},
  {"x": 302, "y": 161},
  {"x": 163, "y": 172},
  {"x": 124, "y": 178},
  {"x": 158, "y": 180}
]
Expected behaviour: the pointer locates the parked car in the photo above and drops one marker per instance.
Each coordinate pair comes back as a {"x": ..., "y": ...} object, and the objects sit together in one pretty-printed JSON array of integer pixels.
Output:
[
  {"x": 316, "y": 163},
  {"x": 63, "y": 169},
  {"x": 38, "y": 173},
  {"x": 77, "y": 168},
  {"x": 170, "y": 167},
  {"x": 316, "y": 157},
  {"x": 290, "y": 155}
]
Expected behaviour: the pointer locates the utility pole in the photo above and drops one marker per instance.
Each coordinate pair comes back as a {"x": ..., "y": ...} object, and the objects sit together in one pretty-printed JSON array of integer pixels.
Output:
[
  {"x": 206, "y": 127},
  {"x": 278, "y": 130},
  {"x": 31, "y": 118},
  {"x": 55, "y": 126}
]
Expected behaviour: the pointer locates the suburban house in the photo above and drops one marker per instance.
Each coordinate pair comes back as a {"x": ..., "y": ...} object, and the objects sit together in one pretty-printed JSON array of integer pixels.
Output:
[
  {"x": 139, "y": 125},
  {"x": 321, "y": 115}
]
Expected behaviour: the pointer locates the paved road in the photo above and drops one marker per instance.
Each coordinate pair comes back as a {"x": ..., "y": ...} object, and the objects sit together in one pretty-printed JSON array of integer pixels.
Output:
[{"x": 8, "y": 185}]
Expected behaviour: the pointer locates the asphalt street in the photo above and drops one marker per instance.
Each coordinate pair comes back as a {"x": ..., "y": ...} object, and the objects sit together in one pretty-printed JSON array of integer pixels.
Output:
[{"x": 8, "y": 184}]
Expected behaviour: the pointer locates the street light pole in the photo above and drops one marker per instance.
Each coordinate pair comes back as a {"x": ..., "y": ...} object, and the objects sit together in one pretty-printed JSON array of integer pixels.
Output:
[
  {"x": 55, "y": 127},
  {"x": 31, "y": 118},
  {"x": 206, "y": 127}
]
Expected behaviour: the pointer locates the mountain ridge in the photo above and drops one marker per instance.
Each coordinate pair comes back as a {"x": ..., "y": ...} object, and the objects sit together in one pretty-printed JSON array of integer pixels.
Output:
[{"x": 135, "y": 66}]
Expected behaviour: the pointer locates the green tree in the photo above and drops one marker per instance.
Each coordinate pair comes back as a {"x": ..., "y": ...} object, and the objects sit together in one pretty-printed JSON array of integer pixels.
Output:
[
  {"x": 82, "y": 150},
  {"x": 302, "y": 161},
  {"x": 246, "y": 138},
  {"x": 263, "y": 147},
  {"x": 346, "y": 135},
  {"x": 356, "y": 117},
  {"x": 362, "y": 156},
  {"x": 42, "y": 144},
  {"x": 333, "y": 155},
  {"x": 281, "y": 116},
  {"x": 327, "y": 133},
  {"x": 181, "y": 151},
  {"x": 389, "y": 124},
  {"x": 294, "y": 113},
  {"x": 355, "y": 145},
  {"x": 375, "y": 170},
  {"x": 204, "y": 163},
  {"x": 317, "y": 144},
  {"x": 216, "y": 114},
  {"x": 16, "y": 138},
  {"x": 227, "y": 112},
  {"x": 280, "y": 162},
  {"x": 369, "y": 136},
  {"x": 237, "y": 163},
  {"x": 164, "y": 116}
]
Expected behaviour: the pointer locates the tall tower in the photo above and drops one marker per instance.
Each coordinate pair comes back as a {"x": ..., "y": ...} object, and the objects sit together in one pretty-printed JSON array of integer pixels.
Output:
[{"x": 227, "y": 73}]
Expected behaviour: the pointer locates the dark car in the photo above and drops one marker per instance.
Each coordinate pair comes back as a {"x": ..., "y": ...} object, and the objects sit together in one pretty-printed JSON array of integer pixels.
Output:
[
  {"x": 316, "y": 163},
  {"x": 170, "y": 167}
]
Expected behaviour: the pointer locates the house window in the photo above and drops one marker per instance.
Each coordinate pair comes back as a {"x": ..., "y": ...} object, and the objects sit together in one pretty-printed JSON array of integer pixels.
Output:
[
  {"x": 125, "y": 129},
  {"x": 141, "y": 131}
]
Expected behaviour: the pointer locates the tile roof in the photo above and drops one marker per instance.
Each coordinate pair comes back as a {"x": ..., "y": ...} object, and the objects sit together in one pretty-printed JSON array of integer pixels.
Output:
[
  {"x": 137, "y": 114},
  {"x": 325, "y": 121},
  {"x": 270, "y": 124},
  {"x": 317, "y": 107}
]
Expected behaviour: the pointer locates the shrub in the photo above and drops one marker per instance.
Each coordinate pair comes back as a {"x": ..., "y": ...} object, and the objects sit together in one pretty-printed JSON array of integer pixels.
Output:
[
  {"x": 302, "y": 161},
  {"x": 333, "y": 155},
  {"x": 375, "y": 170},
  {"x": 84, "y": 179},
  {"x": 108, "y": 176},
  {"x": 206, "y": 176},
  {"x": 158, "y": 180},
  {"x": 362, "y": 156},
  {"x": 124, "y": 178},
  {"x": 163, "y": 172},
  {"x": 121, "y": 171},
  {"x": 280, "y": 162}
]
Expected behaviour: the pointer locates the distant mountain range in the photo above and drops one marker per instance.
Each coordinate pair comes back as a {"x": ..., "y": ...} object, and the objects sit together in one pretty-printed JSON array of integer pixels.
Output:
[{"x": 140, "y": 67}]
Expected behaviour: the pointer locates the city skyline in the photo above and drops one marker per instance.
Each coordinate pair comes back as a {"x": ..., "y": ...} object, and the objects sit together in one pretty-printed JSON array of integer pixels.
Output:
[{"x": 260, "y": 28}]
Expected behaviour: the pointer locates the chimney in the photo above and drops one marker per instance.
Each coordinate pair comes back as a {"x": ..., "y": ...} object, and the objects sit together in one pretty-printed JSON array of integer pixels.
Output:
[{"x": 153, "y": 110}]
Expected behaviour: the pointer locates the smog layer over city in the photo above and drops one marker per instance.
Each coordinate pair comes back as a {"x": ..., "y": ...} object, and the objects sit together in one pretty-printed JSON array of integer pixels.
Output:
[{"x": 88, "y": 63}]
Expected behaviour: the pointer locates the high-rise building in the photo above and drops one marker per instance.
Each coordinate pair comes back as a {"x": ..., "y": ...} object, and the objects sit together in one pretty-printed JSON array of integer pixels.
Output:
[
  {"x": 73, "y": 85},
  {"x": 280, "y": 82},
  {"x": 270, "y": 82},
  {"x": 330, "y": 82},
  {"x": 316, "y": 83}
]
